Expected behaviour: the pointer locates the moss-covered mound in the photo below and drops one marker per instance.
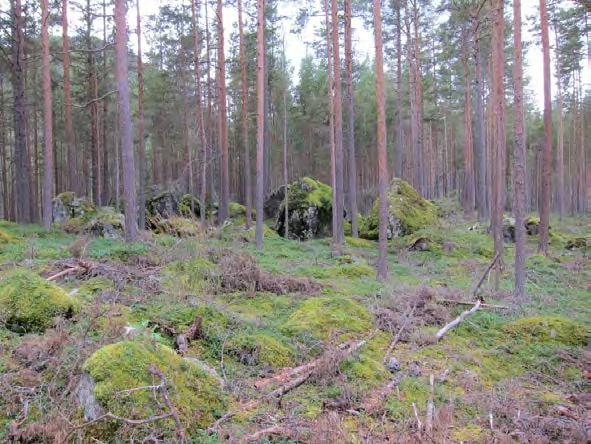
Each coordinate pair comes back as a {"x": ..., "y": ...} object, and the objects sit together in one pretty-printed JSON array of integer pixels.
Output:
[
  {"x": 114, "y": 368},
  {"x": 5, "y": 238},
  {"x": 548, "y": 329},
  {"x": 169, "y": 204},
  {"x": 309, "y": 208},
  {"x": 67, "y": 205},
  {"x": 260, "y": 348},
  {"x": 28, "y": 303},
  {"x": 531, "y": 223},
  {"x": 323, "y": 316},
  {"x": 408, "y": 212},
  {"x": 177, "y": 226},
  {"x": 104, "y": 222}
]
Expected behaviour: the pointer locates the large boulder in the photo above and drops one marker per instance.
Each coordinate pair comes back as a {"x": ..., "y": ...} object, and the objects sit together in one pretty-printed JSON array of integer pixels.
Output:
[
  {"x": 309, "y": 209},
  {"x": 170, "y": 204},
  {"x": 408, "y": 212},
  {"x": 67, "y": 206},
  {"x": 126, "y": 365},
  {"x": 29, "y": 303},
  {"x": 531, "y": 223}
]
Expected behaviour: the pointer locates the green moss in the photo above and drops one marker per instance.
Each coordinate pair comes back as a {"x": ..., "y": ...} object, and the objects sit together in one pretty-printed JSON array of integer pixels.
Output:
[
  {"x": 115, "y": 249},
  {"x": 67, "y": 197},
  {"x": 322, "y": 316},
  {"x": 125, "y": 365},
  {"x": 355, "y": 270},
  {"x": 357, "y": 242},
  {"x": 367, "y": 370},
  {"x": 29, "y": 303},
  {"x": 177, "y": 226},
  {"x": 413, "y": 390},
  {"x": 548, "y": 329},
  {"x": 468, "y": 433},
  {"x": 237, "y": 210},
  {"x": 5, "y": 238},
  {"x": 189, "y": 206},
  {"x": 408, "y": 211},
  {"x": 195, "y": 276},
  {"x": 260, "y": 348}
]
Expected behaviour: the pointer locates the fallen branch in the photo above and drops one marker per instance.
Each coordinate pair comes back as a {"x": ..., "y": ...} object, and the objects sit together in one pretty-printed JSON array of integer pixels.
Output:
[
  {"x": 347, "y": 349},
  {"x": 269, "y": 431},
  {"x": 457, "y": 321},
  {"x": 430, "y": 406},
  {"x": 63, "y": 273},
  {"x": 163, "y": 389},
  {"x": 407, "y": 320},
  {"x": 371, "y": 405},
  {"x": 416, "y": 412},
  {"x": 482, "y": 306},
  {"x": 290, "y": 379}
]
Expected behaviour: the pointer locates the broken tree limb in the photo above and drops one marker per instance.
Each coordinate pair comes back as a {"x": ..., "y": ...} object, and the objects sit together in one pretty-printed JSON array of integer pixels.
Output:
[
  {"x": 269, "y": 431},
  {"x": 346, "y": 349},
  {"x": 430, "y": 406},
  {"x": 482, "y": 306},
  {"x": 457, "y": 321},
  {"x": 407, "y": 320},
  {"x": 63, "y": 273}
]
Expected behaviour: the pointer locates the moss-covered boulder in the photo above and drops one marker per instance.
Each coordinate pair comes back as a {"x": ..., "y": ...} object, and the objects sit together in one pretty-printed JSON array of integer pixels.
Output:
[
  {"x": 67, "y": 206},
  {"x": 196, "y": 394},
  {"x": 28, "y": 303},
  {"x": 176, "y": 226},
  {"x": 531, "y": 223},
  {"x": 309, "y": 210},
  {"x": 575, "y": 243},
  {"x": 260, "y": 348},
  {"x": 408, "y": 212},
  {"x": 170, "y": 204}
]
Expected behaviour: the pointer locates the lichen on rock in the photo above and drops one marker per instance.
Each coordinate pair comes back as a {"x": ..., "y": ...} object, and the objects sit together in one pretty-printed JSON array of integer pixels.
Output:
[
  {"x": 29, "y": 303},
  {"x": 408, "y": 212},
  {"x": 196, "y": 395}
]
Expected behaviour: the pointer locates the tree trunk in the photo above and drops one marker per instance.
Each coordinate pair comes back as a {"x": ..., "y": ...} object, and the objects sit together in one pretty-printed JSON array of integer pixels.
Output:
[
  {"x": 560, "y": 138},
  {"x": 351, "y": 116},
  {"x": 468, "y": 198},
  {"x": 260, "y": 121},
  {"x": 399, "y": 147},
  {"x": 73, "y": 182},
  {"x": 481, "y": 198},
  {"x": 22, "y": 165},
  {"x": 141, "y": 124},
  {"x": 125, "y": 130},
  {"x": 104, "y": 153},
  {"x": 222, "y": 117},
  {"x": 199, "y": 110},
  {"x": 6, "y": 213},
  {"x": 285, "y": 170},
  {"x": 547, "y": 153},
  {"x": 381, "y": 139},
  {"x": 338, "y": 204},
  {"x": 519, "y": 157},
  {"x": 47, "y": 118},
  {"x": 244, "y": 117},
  {"x": 498, "y": 119}
]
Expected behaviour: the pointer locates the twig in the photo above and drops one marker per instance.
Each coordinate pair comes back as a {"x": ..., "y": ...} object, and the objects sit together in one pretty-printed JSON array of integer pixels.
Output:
[
  {"x": 269, "y": 431},
  {"x": 63, "y": 273},
  {"x": 407, "y": 319},
  {"x": 173, "y": 411},
  {"x": 430, "y": 406},
  {"x": 491, "y": 306},
  {"x": 485, "y": 274},
  {"x": 419, "y": 423}
]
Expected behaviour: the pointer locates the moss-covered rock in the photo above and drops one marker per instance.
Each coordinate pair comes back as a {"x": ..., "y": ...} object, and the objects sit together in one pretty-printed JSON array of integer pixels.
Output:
[
  {"x": 309, "y": 209},
  {"x": 531, "y": 223},
  {"x": 28, "y": 303},
  {"x": 322, "y": 316},
  {"x": 548, "y": 329},
  {"x": 177, "y": 226},
  {"x": 408, "y": 212},
  {"x": 114, "y": 368},
  {"x": 571, "y": 244},
  {"x": 237, "y": 210},
  {"x": 260, "y": 349},
  {"x": 67, "y": 206}
]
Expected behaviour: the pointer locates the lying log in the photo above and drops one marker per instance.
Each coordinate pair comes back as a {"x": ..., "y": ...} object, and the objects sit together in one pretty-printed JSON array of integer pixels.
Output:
[
  {"x": 482, "y": 306},
  {"x": 457, "y": 321}
]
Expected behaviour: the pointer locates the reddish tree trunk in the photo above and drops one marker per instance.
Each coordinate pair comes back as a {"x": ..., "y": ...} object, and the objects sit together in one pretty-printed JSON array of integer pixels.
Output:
[
  {"x": 519, "y": 157},
  {"x": 222, "y": 117},
  {"x": 481, "y": 199},
  {"x": 125, "y": 130},
  {"x": 22, "y": 165},
  {"x": 73, "y": 182},
  {"x": 498, "y": 119},
  {"x": 47, "y": 118},
  {"x": 260, "y": 121},
  {"x": 244, "y": 117},
  {"x": 547, "y": 153},
  {"x": 352, "y": 163},
  {"x": 7, "y": 214},
  {"x": 399, "y": 147},
  {"x": 468, "y": 195},
  {"x": 381, "y": 133},
  {"x": 560, "y": 138}
]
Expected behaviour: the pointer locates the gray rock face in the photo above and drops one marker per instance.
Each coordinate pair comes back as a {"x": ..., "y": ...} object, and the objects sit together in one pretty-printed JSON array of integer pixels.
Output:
[
  {"x": 67, "y": 206},
  {"x": 86, "y": 400}
]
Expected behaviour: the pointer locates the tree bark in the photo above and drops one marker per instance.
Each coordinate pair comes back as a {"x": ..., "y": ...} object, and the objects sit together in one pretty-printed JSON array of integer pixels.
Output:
[
  {"x": 222, "y": 118},
  {"x": 498, "y": 120},
  {"x": 47, "y": 118},
  {"x": 519, "y": 157},
  {"x": 338, "y": 204},
  {"x": 199, "y": 110},
  {"x": 260, "y": 121},
  {"x": 6, "y": 213},
  {"x": 560, "y": 138},
  {"x": 381, "y": 139},
  {"x": 125, "y": 130},
  {"x": 73, "y": 182},
  {"x": 547, "y": 152},
  {"x": 352, "y": 163},
  {"x": 481, "y": 199},
  {"x": 141, "y": 124},
  {"x": 468, "y": 195},
  {"x": 244, "y": 118},
  {"x": 22, "y": 165},
  {"x": 399, "y": 147}
]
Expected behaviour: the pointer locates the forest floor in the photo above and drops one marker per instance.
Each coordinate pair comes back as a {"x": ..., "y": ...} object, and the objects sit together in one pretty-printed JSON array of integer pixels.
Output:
[{"x": 509, "y": 373}]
